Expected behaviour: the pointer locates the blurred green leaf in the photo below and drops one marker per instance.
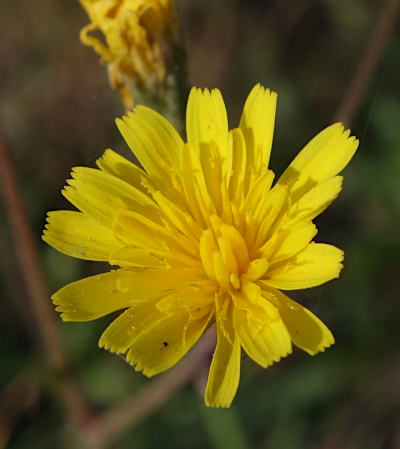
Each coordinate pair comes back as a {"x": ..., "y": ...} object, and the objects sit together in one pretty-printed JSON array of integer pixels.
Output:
[{"x": 224, "y": 428}]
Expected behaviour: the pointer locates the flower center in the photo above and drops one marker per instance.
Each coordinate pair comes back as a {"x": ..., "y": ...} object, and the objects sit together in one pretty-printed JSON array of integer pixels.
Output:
[{"x": 225, "y": 256}]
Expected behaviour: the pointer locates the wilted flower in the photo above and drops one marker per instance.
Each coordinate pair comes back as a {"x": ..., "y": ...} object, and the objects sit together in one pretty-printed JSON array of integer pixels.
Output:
[
  {"x": 202, "y": 234},
  {"x": 140, "y": 41}
]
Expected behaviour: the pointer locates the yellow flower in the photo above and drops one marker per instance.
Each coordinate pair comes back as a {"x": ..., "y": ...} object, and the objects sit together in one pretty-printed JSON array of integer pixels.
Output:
[
  {"x": 202, "y": 234},
  {"x": 140, "y": 37}
]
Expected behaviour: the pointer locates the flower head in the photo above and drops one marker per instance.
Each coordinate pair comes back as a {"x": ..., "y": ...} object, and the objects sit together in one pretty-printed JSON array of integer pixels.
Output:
[
  {"x": 202, "y": 234},
  {"x": 140, "y": 37}
]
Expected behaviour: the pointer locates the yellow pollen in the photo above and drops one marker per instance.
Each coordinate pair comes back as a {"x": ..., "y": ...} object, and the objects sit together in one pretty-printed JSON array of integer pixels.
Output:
[
  {"x": 225, "y": 257},
  {"x": 235, "y": 281}
]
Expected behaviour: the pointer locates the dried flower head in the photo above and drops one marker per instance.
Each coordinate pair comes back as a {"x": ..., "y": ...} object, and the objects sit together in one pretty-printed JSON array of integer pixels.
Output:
[
  {"x": 140, "y": 39},
  {"x": 202, "y": 234}
]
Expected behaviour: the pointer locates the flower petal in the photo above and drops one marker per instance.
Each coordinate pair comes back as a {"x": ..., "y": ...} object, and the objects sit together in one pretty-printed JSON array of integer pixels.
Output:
[
  {"x": 316, "y": 200},
  {"x": 194, "y": 186},
  {"x": 161, "y": 346},
  {"x": 99, "y": 295},
  {"x": 136, "y": 257},
  {"x": 238, "y": 150},
  {"x": 139, "y": 318},
  {"x": 153, "y": 140},
  {"x": 116, "y": 165},
  {"x": 78, "y": 235},
  {"x": 316, "y": 264},
  {"x": 137, "y": 230},
  {"x": 289, "y": 241},
  {"x": 206, "y": 119},
  {"x": 257, "y": 124},
  {"x": 197, "y": 299},
  {"x": 323, "y": 157},
  {"x": 263, "y": 336},
  {"x": 269, "y": 211},
  {"x": 207, "y": 134},
  {"x": 100, "y": 195},
  {"x": 93, "y": 297},
  {"x": 306, "y": 330},
  {"x": 256, "y": 197},
  {"x": 224, "y": 374}
]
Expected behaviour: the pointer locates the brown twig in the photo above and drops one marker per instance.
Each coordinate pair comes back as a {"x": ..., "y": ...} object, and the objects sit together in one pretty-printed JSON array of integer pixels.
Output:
[
  {"x": 34, "y": 278},
  {"x": 368, "y": 62},
  {"x": 149, "y": 398}
]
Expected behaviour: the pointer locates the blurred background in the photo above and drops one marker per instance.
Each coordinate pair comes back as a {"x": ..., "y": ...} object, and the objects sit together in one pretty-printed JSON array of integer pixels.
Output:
[{"x": 57, "y": 111}]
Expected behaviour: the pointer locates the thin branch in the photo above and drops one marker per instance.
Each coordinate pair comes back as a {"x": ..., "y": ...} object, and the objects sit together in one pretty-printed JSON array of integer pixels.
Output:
[
  {"x": 150, "y": 398},
  {"x": 368, "y": 62},
  {"x": 38, "y": 293}
]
